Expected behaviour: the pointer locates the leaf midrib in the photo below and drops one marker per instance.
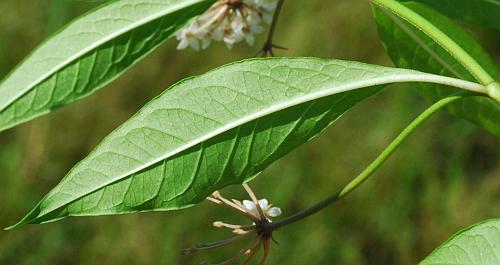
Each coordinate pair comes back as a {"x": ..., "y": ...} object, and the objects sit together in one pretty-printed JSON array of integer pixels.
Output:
[
  {"x": 415, "y": 77},
  {"x": 422, "y": 44},
  {"x": 104, "y": 40}
]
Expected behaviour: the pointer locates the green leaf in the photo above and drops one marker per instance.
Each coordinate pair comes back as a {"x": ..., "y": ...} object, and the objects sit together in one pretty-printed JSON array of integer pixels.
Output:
[
  {"x": 476, "y": 245},
  {"x": 207, "y": 132},
  {"x": 89, "y": 53},
  {"x": 481, "y": 12},
  {"x": 410, "y": 48}
]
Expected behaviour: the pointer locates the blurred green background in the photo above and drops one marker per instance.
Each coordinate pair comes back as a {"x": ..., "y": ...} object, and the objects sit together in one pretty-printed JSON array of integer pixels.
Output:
[{"x": 445, "y": 177}]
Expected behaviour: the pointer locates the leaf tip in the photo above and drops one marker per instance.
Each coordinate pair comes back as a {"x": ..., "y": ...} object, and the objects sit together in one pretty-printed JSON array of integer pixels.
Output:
[
  {"x": 31, "y": 217},
  {"x": 14, "y": 226}
]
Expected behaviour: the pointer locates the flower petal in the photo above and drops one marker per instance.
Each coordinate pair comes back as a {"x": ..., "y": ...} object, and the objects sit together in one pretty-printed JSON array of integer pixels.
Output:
[
  {"x": 274, "y": 211},
  {"x": 263, "y": 203},
  {"x": 249, "y": 205},
  {"x": 183, "y": 44}
]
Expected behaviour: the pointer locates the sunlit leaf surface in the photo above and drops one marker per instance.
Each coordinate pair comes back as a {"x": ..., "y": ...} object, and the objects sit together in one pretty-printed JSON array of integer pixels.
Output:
[
  {"x": 476, "y": 245},
  {"x": 210, "y": 131},
  {"x": 411, "y": 48},
  {"x": 89, "y": 53}
]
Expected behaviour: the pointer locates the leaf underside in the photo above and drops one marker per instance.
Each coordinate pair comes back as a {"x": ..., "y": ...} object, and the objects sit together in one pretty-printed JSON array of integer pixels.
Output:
[
  {"x": 89, "y": 53},
  {"x": 214, "y": 130},
  {"x": 481, "y": 12},
  {"x": 410, "y": 48},
  {"x": 476, "y": 245}
]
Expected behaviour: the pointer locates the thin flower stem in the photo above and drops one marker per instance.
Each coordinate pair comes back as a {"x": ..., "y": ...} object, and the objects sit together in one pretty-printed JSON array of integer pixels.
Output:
[
  {"x": 357, "y": 181},
  {"x": 265, "y": 245},
  {"x": 255, "y": 201},
  {"x": 217, "y": 244},
  {"x": 268, "y": 45},
  {"x": 228, "y": 204},
  {"x": 215, "y": 19},
  {"x": 253, "y": 251},
  {"x": 240, "y": 253},
  {"x": 274, "y": 21}
]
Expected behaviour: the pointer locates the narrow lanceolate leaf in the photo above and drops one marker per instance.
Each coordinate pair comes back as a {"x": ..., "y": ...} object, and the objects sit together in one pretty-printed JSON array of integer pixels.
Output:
[
  {"x": 476, "y": 245},
  {"x": 207, "y": 132},
  {"x": 89, "y": 53},
  {"x": 410, "y": 48},
  {"x": 481, "y": 12}
]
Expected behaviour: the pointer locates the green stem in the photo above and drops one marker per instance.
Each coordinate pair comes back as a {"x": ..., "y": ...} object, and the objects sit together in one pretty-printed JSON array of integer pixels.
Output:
[
  {"x": 493, "y": 91},
  {"x": 444, "y": 41},
  {"x": 357, "y": 181}
]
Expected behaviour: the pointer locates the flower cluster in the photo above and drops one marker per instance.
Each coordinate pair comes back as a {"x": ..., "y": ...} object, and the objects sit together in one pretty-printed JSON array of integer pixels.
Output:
[
  {"x": 231, "y": 21},
  {"x": 259, "y": 212}
]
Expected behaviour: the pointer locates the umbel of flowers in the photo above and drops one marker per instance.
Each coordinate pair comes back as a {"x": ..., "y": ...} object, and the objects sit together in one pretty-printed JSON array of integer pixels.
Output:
[
  {"x": 259, "y": 212},
  {"x": 230, "y": 21}
]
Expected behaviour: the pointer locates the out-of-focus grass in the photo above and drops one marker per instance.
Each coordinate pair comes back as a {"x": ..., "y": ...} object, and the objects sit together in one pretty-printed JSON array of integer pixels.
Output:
[{"x": 445, "y": 177}]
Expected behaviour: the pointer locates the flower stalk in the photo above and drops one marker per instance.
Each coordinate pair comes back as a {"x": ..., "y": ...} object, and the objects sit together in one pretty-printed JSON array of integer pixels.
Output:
[
  {"x": 368, "y": 171},
  {"x": 267, "y": 49}
]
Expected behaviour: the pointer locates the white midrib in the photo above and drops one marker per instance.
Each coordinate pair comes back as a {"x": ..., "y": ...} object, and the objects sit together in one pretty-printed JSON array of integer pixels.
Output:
[
  {"x": 107, "y": 38},
  {"x": 412, "y": 76},
  {"x": 422, "y": 44}
]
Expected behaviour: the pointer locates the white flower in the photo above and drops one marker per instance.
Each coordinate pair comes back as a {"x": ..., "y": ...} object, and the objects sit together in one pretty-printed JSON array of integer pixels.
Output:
[
  {"x": 268, "y": 210},
  {"x": 259, "y": 232},
  {"x": 231, "y": 21},
  {"x": 187, "y": 38},
  {"x": 248, "y": 208}
]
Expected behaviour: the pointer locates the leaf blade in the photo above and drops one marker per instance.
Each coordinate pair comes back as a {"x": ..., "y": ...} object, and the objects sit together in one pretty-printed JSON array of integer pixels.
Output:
[
  {"x": 474, "y": 245},
  {"x": 89, "y": 53},
  {"x": 207, "y": 132},
  {"x": 408, "y": 47},
  {"x": 481, "y": 12}
]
